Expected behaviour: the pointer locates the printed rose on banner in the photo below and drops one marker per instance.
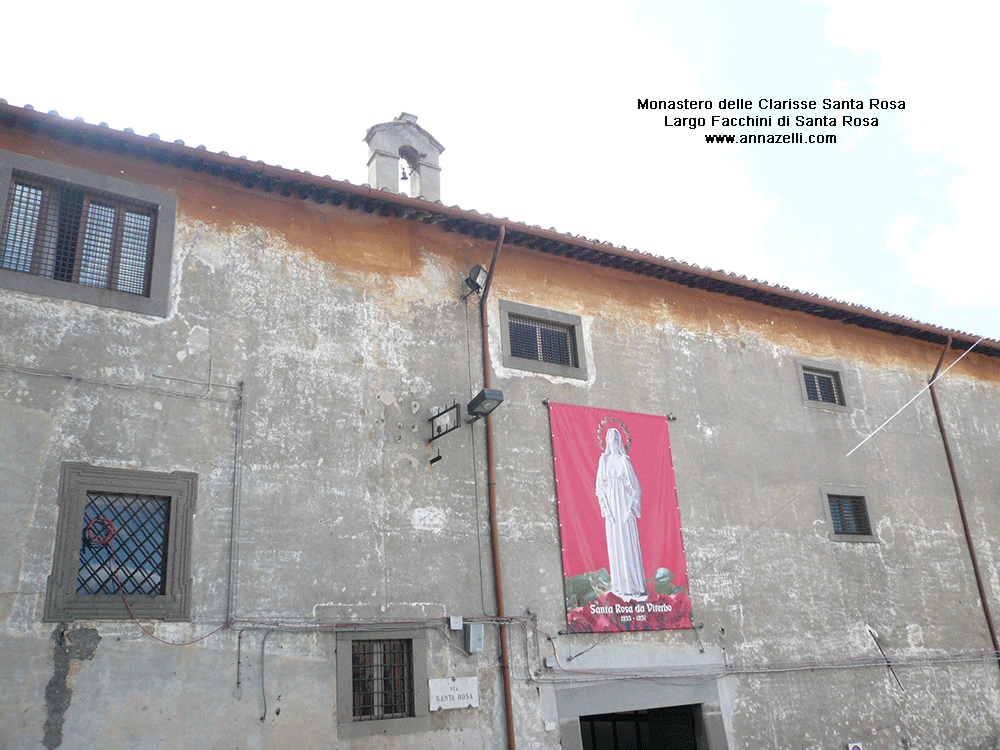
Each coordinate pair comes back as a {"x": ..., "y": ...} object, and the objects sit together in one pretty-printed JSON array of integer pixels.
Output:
[{"x": 609, "y": 613}]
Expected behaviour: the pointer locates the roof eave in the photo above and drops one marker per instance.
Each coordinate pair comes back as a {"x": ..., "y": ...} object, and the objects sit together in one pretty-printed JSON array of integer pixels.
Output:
[{"x": 303, "y": 185}]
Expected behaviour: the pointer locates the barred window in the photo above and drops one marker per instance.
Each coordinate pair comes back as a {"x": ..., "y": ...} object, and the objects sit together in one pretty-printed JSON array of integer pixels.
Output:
[
  {"x": 123, "y": 543},
  {"x": 541, "y": 340},
  {"x": 382, "y": 679},
  {"x": 382, "y": 686},
  {"x": 62, "y": 232},
  {"x": 123, "y": 546},
  {"x": 849, "y": 515},
  {"x": 81, "y": 236},
  {"x": 823, "y": 386},
  {"x": 846, "y": 509}
]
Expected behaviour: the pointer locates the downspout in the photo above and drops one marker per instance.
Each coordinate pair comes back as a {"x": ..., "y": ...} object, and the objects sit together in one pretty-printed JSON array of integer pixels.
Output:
[
  {"x": 492, "y": 493},
  {"x": 961, "y": 508}
]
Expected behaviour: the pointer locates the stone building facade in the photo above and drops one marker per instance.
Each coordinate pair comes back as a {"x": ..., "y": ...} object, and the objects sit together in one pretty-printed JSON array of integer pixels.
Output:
[{"x": 217, "y": 381}]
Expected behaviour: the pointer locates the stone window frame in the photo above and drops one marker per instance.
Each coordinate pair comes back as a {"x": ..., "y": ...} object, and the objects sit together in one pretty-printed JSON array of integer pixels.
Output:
[
  {"x": 574, "y": 322},
  {"x": 347, "y": 726},
  {"x": 63, "y": 603},
  {"x": 164, "y": 203},
  {"x": 823, "y": 368},
  {"x": 847, "y": 491}
]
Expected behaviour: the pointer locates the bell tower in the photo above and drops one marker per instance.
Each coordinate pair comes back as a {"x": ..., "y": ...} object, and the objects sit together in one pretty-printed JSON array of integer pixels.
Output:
[{"x": 403, "y": 147}]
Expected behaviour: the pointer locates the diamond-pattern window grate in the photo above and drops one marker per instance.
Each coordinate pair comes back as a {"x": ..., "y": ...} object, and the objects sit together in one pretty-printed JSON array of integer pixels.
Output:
[
  {"x": 850, "y": 515},
  {"x": 382, "y": 679},
  {"x": 823, "y": 386},
  {"x": 136, "y": 553},
  {"x": 542, "y": 341}
]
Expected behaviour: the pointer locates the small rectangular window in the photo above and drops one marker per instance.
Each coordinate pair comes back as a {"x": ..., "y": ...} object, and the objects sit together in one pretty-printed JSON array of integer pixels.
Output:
[
  {"x": 382, "y": 679},
  {"x": 849, "y": 515},
  {"x": 382, "y": 686},
  {"x": 846, "y": 511},
  {"x": 542, "y": 340},
  {"x": 76, "y": 235},
  {"x": 821, "y": 385}
]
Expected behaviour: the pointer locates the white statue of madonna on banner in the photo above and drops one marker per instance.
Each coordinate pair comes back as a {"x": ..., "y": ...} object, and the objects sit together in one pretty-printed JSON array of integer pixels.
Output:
[{"x": 618, "y": 493}]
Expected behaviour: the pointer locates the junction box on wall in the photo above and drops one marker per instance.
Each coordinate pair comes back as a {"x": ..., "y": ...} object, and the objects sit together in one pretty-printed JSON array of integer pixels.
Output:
[{"x": 473, "y": 632}]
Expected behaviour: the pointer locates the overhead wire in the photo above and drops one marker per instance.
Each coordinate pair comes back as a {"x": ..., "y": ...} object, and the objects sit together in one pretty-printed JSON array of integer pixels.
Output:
[
  {"x": 125, "y": 386},
  {"x": 742, "y": 540},
  {"x": 917, "y": 395}
]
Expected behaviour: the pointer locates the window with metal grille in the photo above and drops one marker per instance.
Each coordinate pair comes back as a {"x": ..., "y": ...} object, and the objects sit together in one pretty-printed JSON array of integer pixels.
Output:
[
  {"x": 542, "y": 340},
  {"x": 823, "y": 386},
  {"x": 76, "y": 235},
  {"x": 382, "y": 686},
  {"x": 57, "y": 230},
  {"x": 123, "y": 536},
  {"x": 382, "y": 679},
  {"x": 123, "y": 546},
  {"x": 846, "y": 509},
  {"x": 849, "y": 515}
]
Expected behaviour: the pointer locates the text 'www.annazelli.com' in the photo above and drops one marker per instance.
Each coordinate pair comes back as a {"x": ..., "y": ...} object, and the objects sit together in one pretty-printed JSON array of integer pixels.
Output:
[
  {"x": 770, "y": 138},
  {"x": 776, "y": 114}
]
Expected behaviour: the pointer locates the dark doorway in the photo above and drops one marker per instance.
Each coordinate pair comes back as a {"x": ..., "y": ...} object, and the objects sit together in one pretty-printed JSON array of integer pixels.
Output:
[{"x": 671, "y": 728}]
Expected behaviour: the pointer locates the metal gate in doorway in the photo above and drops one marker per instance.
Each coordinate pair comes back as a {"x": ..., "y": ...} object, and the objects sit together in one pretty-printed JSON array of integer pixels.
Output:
[{"x": 671, "y": 728}]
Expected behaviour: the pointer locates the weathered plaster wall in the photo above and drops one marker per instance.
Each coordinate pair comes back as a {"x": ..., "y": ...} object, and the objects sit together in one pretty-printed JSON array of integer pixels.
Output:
[
  {"x": 347, "y": 332},
  {"x": 769, "y": 585}
]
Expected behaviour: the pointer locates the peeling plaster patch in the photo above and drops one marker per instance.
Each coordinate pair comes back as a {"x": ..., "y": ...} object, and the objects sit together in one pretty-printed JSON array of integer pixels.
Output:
[
  {"x": 428, "y": 519},
  {"x": 70, "y": 645},
  {"x": 324, "y": 605},
  {"x": 427, "y": 286},
  {"x": 387, "y": 398},
  {"x": 198, "y": 339}
]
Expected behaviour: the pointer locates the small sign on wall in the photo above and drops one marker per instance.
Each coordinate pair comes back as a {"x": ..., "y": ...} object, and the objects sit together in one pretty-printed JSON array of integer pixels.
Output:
[{"x": 453, "y": 692}]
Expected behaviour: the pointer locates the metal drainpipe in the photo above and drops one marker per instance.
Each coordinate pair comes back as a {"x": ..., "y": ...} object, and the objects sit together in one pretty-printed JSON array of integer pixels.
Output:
[
  {"x": 491, "y": 489},
  {"x": 961, "y": 508}
]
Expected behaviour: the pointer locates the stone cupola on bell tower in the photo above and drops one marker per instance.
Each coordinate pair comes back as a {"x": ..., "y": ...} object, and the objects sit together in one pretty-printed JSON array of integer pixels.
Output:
[{"x": 402, "y": 146}]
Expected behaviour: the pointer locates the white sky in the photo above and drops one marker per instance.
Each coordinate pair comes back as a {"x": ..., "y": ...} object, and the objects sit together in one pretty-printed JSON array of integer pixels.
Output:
[{"x": 536, "y": 106}]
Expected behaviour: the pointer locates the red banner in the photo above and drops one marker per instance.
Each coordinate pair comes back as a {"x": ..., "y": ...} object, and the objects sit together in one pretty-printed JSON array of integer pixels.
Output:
[{"x": 623, "y": 556}]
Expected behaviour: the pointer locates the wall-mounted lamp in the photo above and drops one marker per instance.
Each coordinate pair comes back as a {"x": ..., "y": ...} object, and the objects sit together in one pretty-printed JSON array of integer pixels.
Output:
[
  {"x": 476, "y": 279},
  {"x": 485, "y": 402}
]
